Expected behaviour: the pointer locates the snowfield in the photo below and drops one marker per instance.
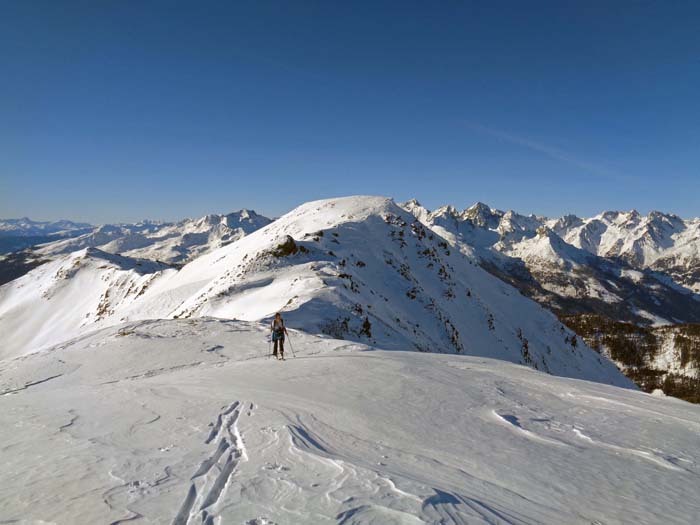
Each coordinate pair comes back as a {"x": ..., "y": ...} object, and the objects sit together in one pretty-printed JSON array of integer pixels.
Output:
[{"x": 188, "y": 421}]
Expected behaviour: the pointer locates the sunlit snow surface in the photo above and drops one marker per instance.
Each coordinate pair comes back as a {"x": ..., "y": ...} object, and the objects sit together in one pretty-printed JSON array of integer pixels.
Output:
[{"x": 189, "y": 421}]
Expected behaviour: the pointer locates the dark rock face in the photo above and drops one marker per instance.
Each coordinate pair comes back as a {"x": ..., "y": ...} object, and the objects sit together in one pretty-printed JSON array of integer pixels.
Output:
[{"x": 286, "y": 247}]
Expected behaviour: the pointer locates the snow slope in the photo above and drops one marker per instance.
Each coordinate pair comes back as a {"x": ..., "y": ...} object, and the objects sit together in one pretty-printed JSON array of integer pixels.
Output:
[
  {"x": 358, "y": 268},
  {"x": 186, "y": 421},
  {"x": 74, "y": 293}
]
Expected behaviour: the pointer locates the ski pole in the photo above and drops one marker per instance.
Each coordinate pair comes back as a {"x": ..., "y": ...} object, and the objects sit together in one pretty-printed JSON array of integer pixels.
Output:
[
  {"x": 269, "y": 347},
  {"x": 290, "y": 346}
]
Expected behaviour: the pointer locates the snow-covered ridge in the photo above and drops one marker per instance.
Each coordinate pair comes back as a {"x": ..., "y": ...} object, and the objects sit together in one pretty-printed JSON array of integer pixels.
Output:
[
  {"x": 28, "y": 227},
  {"x": 358, "y": 268},
  {"x": 177, "y": 242},
  {"x": 73, "y": 293}
]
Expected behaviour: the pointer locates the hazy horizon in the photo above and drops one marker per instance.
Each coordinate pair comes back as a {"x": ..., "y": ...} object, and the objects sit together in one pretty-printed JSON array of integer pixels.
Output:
[{"x": 460, "y": 207}]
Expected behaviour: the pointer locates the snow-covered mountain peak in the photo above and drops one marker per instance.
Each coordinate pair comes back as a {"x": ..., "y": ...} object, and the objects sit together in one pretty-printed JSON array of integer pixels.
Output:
[
  {"x": 479, "y": 207},
  {"x": 416, "y": 209},
  {"x": 565, "y": 223},
  {"x": 332, "y": 212},
  {"x": 211, "y": 219},
  {"x": 411, "y": 204},
  {"x": 669, "y": 223},
  {"x": 618, "y": 217},
  {"x": 514, "y": 227},
  {"x": 483, "y": 215},
  {"x": 243, "y": 215},
  {"x": 547, "y": 248},
  {"x": 446, "y": 211}
]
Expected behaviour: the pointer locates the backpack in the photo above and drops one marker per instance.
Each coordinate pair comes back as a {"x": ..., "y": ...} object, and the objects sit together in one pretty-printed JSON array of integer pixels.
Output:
[{"x": 278, "y": 331}]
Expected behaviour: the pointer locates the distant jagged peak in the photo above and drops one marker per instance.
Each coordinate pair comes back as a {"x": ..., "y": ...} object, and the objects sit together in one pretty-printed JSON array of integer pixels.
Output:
[
  {"x": 211, "y": 219},
  {"x": 446, "y": 210},
  {"x": 544, "y": 232},
  {"x": 567, "y": 221},
  {"x": 245, "y": 216},
  {"x": 416, "y": 209},
  {"x": 669, "y": 219},
  {"x": 513, "y": 221},
  {"x": 483, "y": 215},
  {"x": 481, "y": 208},
  {"x": 633, "y": 221},
  {"x": 619, "y": 217},
  {"x": 412, "y": 203},
  {"x": 235, "y": 219}
]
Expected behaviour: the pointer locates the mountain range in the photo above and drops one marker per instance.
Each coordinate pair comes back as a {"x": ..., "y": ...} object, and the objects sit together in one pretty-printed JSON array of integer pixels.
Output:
[
  {"x": 17, "y": 234},
  {"x": 630, "y": 267},
  {"x": 358, "y": 268},
  {"x": 170, "y": 242},
  {"x": 391, "y": 275}
]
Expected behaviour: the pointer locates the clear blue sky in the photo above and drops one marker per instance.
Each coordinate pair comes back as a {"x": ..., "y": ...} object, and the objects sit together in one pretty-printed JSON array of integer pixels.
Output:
[{"x": 120, "y": 110}]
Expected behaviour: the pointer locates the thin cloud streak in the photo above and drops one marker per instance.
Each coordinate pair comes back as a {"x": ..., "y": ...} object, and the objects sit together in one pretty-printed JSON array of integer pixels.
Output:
[{"x": 549, "y": 151}]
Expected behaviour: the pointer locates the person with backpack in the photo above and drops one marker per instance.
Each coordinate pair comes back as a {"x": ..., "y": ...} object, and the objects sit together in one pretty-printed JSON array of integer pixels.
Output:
[{"x": 278, "y": 333}]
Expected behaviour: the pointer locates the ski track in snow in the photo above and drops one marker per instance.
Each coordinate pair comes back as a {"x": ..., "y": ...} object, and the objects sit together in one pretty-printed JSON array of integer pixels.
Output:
[{"x": 213, "y": 477}]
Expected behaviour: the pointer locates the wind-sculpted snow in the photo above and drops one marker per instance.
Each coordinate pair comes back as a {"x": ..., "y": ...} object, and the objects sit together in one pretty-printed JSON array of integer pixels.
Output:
[
  {"x": 145, "y": 422},
  {"x": 356, "y": 268}
]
